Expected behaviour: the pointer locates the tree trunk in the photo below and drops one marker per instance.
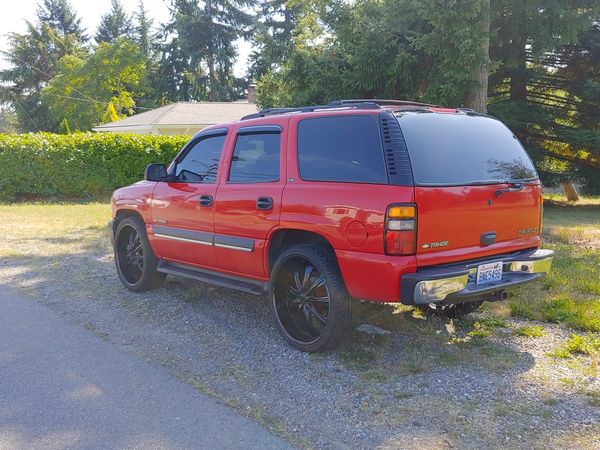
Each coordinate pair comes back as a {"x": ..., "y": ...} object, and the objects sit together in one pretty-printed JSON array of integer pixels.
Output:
[
  {"x": 517, "y": 59},
  {"x": 210, "y": 57},
  {"x": 476, "y": 97},
  {"x": 570, "y": 192}
]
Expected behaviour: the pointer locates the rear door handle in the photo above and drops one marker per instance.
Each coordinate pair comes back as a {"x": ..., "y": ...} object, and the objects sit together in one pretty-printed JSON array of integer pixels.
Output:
[
  {"x": 516, "y": 187},
  {"x": 264, "y": 203},
  {"x": 206, "y": 200}
]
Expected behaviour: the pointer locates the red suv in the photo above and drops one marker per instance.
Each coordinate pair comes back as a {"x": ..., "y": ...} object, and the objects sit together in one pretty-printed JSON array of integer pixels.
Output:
[{"x": 385, "y": 201}]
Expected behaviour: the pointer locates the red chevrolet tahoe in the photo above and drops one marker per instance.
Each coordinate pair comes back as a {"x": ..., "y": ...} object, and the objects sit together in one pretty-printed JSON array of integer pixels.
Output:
[{"x": 385, "y": 201}]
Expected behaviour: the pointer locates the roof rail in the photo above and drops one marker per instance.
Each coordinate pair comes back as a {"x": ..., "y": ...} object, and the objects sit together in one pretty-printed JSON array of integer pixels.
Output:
[
  {"x": 382, "y": 102},
  {"x": 301, "y": 109}
]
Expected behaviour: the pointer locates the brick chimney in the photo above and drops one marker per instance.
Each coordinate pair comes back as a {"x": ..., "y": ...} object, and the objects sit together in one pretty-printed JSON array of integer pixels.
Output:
[{"x": 252, "y": 93}]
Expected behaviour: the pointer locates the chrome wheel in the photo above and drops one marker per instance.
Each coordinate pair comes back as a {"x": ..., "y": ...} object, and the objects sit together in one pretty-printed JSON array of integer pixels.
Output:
[{"x": 301, "y": 300}]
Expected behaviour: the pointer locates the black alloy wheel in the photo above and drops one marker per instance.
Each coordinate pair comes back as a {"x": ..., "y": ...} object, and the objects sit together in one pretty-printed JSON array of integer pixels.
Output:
[
  {"x": 308, "y": 298},
  {"x": 130, "y": 254},
  {"x": 135, "y": 261}
]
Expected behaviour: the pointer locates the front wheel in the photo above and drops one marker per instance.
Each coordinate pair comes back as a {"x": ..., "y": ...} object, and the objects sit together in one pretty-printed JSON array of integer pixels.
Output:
[
  {"x": 449, "y": 311},
  {"x": 134, "y": 258},
  {"x": 309, "y": 300}
]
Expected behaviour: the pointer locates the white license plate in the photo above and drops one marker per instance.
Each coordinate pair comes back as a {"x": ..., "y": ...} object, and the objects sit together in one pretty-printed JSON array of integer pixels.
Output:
[{"x": 486, "y": 273}]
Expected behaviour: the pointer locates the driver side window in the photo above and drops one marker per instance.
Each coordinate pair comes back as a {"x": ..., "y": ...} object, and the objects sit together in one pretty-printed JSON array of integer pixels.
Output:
[{"x": 201, "y": 162}]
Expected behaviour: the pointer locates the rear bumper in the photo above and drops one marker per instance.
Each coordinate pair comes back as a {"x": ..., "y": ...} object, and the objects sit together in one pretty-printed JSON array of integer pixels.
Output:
[{"x": 457, "y": 283}]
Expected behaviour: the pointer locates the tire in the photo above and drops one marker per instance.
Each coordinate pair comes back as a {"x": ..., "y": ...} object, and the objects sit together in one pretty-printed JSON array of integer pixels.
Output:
[
  {"x": 450, "y": 311},
  {"x": 309, "y": 301},
  {"x": 135, "y": 261}
]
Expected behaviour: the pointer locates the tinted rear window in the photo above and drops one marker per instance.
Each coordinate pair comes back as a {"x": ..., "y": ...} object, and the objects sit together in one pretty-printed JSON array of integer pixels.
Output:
[
  {"x": 455, "y": 149},
  {"x": 341, "y": 148},
  {"x": 255, "y": 158}
]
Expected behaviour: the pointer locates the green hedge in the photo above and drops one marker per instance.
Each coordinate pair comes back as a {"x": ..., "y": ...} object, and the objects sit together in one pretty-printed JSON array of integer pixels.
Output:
[{"x": 79, "y": 165}]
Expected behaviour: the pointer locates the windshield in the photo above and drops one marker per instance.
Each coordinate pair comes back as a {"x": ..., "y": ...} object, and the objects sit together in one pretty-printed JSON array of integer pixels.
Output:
[{"x": 458, "y": 149}]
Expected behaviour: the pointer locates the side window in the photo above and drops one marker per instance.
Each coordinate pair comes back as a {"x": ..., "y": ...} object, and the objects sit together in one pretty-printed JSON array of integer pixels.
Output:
[
  {"x": 256, "y": 158},
  {"x": 201, "y": 163},
  {"x": 342, "y": 148}
]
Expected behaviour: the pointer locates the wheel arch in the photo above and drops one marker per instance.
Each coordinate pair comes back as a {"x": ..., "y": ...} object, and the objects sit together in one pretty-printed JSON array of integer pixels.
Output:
[
  {"x": 126, "y": 212},
  {"x": 284, "y": 238},
  {"x": 123, "y": 213}
]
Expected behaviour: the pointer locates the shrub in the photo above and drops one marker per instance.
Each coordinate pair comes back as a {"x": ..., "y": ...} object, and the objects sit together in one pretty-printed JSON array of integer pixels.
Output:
[{"x": 78, "y": 165}]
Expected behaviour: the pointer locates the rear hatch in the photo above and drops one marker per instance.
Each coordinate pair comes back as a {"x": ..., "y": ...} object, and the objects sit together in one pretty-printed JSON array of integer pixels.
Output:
[{"x": 477, "y": 192}]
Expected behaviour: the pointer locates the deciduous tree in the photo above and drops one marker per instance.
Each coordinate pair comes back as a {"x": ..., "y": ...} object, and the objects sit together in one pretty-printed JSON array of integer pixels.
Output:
[
  {"x": 101, "y": 87},
  {"x": 33, "y": 57}
]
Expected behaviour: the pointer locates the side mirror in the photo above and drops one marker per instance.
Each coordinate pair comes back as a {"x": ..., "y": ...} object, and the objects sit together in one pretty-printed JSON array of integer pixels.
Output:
[{"x": 155, "y": 172}]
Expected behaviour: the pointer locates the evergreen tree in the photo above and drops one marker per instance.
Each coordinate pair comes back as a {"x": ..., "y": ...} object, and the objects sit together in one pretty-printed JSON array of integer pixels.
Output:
[
  {"x": 114, "y": 24},
  {"x": 200, "y": 46},
  {"x": 33, "y": 58},
  {"x": 408, "y": 49},
  {"x": 144, "y": 30},
  {"x": 272, "y": 37},
  {"x": 60, "y": 16},
  {"x": 146, "y": 39},
  {"x": 527, "y": 90},
  {"x": 575, "y": 93}
]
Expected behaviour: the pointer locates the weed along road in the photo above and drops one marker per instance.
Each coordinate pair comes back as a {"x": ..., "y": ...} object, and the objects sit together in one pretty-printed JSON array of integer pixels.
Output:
[{"x": 62, "y": 386}]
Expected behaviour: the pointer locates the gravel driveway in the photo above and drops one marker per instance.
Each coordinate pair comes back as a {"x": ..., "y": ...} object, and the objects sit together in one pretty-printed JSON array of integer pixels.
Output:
[{"x": 426, "y": 383}]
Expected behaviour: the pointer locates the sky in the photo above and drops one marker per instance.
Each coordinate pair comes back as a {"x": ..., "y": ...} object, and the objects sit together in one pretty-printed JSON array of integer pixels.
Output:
[{"x": 15, "y": 12}]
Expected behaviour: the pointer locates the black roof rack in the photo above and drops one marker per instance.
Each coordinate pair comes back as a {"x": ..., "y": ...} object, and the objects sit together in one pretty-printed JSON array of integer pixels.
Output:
[
  {"x": 382, "y": 102},
  {"x": 301, "y": 109},
  {"x": 358, "y": 104}
]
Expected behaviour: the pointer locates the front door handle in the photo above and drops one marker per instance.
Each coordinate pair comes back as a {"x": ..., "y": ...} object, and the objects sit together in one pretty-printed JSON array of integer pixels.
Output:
[
  {"x": 264, "y": 203},
  {"x": 206, "y": 200}
]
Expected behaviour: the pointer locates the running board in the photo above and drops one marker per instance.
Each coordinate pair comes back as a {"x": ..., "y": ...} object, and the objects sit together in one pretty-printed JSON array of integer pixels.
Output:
[{"x": 249, "y": 286}]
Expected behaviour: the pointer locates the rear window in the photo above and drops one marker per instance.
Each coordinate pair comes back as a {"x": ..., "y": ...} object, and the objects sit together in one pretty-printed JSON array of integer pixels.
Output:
[
  {"x": 455, "y": 149},
  {"x": 255, "y": 158},
  {"x": 341, "y": 148}
]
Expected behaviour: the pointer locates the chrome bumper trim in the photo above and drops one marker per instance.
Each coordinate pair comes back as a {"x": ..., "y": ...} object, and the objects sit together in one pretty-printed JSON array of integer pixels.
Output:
[
  {"x": 438, "y": 289},
  {"x": 431, "y": 291}
]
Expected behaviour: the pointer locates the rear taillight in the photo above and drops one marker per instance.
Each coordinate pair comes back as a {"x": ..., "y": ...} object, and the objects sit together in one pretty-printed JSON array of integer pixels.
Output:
[{"x": 401, "y": 230}]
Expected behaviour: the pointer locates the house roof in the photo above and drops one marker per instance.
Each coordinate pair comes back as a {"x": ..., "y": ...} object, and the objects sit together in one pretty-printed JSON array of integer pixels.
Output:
[{"x": 185, "y": 114}]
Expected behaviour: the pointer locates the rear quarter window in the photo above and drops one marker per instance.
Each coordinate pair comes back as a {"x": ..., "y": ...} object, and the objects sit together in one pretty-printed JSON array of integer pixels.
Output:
[
  {"x": 456, "y": 149},
  {"x": 341, "y": 148}
]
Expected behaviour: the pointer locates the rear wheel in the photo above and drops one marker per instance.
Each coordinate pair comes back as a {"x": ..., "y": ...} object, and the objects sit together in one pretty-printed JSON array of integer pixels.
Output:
[
  {"x": 310, "y": 303},
  {"x": 135, "y": 261},
  {"x": 449, "y": 311}
]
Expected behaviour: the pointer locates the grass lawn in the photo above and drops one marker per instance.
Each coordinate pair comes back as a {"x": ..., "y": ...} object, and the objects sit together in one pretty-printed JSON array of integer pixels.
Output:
[
  {"x": 571, "y": 293},
  {"x": 38, "y": 229},
  {"x": 54, "y": 220}
]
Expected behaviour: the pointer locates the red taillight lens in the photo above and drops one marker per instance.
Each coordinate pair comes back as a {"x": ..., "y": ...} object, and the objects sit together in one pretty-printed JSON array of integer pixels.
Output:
[{"x": 401, "y": 230}]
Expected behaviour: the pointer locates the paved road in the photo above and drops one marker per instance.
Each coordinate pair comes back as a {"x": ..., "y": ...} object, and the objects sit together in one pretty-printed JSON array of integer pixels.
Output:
[{"x": 61, "y": 386}]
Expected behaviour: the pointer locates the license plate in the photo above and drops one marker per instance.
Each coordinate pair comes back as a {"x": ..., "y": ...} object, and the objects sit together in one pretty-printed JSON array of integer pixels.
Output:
[{"x": 486, "y": 273}]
